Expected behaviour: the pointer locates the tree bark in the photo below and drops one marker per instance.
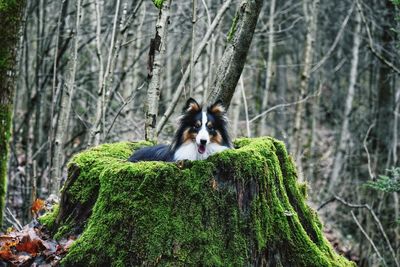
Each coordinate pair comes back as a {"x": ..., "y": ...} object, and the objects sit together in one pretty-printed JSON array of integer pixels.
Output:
[
  {"x": 65, "y": 108},
  {"x": 345, "y": 133},
  {"x": 155, "y": 67},
  {"x": 311, "y": 17},
  {"x": 386, "y": 96},
  {"x": 234, "y": 57},
  {"x": 269, "y": 72},
  {"x": 10, "y": 23}
]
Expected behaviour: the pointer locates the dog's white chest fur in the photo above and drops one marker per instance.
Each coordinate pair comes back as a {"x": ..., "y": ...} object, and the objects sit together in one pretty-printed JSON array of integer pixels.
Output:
[{"x": 189, "y": 151}]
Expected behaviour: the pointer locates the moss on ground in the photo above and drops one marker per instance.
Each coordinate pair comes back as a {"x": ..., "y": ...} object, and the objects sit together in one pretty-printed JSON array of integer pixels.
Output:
[{"x": 240, "y": 207}]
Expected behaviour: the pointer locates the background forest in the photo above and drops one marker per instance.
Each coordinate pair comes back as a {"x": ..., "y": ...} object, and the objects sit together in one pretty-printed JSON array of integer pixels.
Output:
[{"x": 323, "y": 76}]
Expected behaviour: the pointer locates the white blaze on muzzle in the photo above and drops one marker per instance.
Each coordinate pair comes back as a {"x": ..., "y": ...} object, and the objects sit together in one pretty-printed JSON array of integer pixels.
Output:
[{"x": 203, "y": 137}]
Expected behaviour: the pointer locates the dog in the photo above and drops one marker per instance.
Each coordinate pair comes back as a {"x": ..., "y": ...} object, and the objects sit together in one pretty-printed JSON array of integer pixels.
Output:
[{"x": 201, "y": 133}]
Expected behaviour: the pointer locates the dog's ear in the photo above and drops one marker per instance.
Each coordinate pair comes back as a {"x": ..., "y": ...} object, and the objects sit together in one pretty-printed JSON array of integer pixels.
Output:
[
  {"x": 191, "y": 106},
  {"x": 217, "y": 108}
]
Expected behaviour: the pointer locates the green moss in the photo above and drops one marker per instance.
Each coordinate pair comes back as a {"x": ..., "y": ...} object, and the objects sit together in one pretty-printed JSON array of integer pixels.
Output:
[
  {"x": 233, "y": 28},
  {"x": 49, "y": 218},
  {"x": 158, "y": 3},
  {"x": 63, "y": 231},
  {"x": 5, "y": 133},
  {"x": 237, "y": 206}
]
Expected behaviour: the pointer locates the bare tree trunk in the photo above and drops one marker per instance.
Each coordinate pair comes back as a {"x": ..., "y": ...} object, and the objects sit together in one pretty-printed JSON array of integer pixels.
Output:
[
  {"x": 105, "y": 78},
  {"x": 10, "y": 21},
  {"x": 235, "y": 113},
  {"x": 65, "y": 108},
  {"x": 311, "y": 17},
  {"x": 234, "y": 57},
  {"x": 155, "y": 65},
  {"x": 345, "y": 133},
  {"x": 192, "y": 50},
  {"x": 55, "y": 87},
  {"x": 268, "y": 74},
  {"x": 386, "y": 95}
]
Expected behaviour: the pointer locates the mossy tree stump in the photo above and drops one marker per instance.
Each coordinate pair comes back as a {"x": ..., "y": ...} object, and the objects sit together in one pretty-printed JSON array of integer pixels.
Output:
[{"x": 240, "y": 207}]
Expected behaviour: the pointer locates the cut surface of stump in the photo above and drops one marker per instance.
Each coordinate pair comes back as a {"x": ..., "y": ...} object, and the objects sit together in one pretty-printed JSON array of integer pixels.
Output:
[{"x": 240, "y": 207}]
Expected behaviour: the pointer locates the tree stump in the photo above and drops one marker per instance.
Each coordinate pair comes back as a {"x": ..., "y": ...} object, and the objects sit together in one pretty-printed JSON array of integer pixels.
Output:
[{"x": 240, "y": 207}]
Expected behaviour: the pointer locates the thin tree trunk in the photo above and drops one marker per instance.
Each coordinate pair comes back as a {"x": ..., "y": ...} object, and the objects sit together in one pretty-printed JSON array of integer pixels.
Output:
[
  {"x": 55, "y": 88},
  {"x": 65, "y": 108},
  {"x": 105, "y": 78},
  {"x": 311, "y": 17},
  {"x": 345, "y": 133},
  {"x": 155, "y": 65},
  {"x": 192, "y": 50},
  {"x": 10, "y": 21},
  {"x": 386, "y": 95},
  {"x": 236, "y": 113},
  {"x": 269, "y": 72},
  {"x": 234, "y": 57}
]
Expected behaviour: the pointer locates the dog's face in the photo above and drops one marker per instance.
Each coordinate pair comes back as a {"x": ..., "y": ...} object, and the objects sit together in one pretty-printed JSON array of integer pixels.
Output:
[{"x": 203, "y": 126}]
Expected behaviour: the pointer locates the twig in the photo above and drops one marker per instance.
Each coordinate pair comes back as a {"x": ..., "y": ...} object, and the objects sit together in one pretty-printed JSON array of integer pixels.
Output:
[
  {"x": 335, "y": 42},
  {"x": 14, "y": 221},
  {"x": 245, "y": 107},
  {"x": 376, "y": 219},
  {"x": 371, "y": 175},
  {"x": 130, "y": 98},
  {"x": 368, "y": 238},
  {"x": 284, "y": 105},
  {"x": 371, "y": 42}
]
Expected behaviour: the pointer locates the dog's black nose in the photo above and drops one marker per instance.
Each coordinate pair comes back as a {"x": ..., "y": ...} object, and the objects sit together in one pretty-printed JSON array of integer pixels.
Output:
[{"x": 203, "y": 142}]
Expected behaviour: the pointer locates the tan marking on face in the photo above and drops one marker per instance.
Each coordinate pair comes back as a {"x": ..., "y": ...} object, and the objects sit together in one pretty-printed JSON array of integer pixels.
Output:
[
  {"x": 197, "y": 124},
  {"x": 217, "y": 138},
  {"x": 188, "y": 136},
  {"x": 210, "y": 124}
]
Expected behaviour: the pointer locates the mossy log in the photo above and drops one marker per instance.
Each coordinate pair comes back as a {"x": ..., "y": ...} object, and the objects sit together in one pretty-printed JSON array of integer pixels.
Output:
[{"x": 241, "y": 207}]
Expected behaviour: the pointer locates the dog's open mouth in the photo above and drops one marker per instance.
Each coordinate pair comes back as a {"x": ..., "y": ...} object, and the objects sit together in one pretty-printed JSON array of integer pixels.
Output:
[{"x": 201, "y": 148}]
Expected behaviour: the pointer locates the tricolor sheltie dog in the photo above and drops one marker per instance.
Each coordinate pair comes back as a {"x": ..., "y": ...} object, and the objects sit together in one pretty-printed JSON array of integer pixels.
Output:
[{"x": 201, "y": 133}]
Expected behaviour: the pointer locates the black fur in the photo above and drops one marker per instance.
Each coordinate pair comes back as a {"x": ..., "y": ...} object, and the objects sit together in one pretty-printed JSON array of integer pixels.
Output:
[{"x": 153, "y": 153}]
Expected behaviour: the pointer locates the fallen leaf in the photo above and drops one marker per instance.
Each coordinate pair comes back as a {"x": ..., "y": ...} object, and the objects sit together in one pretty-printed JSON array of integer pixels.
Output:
[
  {"x": 6, "y": 255},
  {"x": 37, "y": 205},
  {"x": 33, "y": 247}
]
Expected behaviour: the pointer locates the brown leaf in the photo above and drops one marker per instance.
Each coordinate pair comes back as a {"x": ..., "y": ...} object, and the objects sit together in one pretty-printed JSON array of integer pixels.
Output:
[
  {"x": 6, "y": 254},
  {"x": 37, "y": 205},
  {"x": 32, "y": 247}
]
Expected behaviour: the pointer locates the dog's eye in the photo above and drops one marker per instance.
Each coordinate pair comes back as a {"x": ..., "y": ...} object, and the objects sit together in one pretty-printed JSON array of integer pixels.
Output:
[{"x": 210, "y": 128}]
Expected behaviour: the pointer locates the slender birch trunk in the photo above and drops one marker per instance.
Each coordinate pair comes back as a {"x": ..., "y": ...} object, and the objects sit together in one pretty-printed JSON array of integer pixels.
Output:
[
  {"x": 105, "y": 77},
  {"x": 192, "y": 50},
  {"x": 311, "y": 16},
  {"x": 65, "y": 108},
  {"x": 269, "y": 72},
  {"x": 236, "y": 113},
  {"x": 345, "y": 133},
  {"x": 55, "y": 88},
  {"x": 155, "y": 65}
]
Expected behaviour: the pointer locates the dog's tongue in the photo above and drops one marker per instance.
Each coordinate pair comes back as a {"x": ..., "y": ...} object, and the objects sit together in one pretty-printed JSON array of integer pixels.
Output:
[{"x": 201, "y": 149}]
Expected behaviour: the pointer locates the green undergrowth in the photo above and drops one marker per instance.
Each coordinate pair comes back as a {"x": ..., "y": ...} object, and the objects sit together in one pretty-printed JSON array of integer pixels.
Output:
[{"x": 240, "y": 207}]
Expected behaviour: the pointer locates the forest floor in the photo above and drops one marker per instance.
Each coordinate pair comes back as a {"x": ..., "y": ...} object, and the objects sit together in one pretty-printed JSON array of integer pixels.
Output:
[{"x": 33, "y": 245}]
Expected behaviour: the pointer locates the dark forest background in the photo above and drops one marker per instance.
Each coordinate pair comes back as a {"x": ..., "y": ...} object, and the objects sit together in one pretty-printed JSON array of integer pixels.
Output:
[{"x": 323, "y": 76}]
